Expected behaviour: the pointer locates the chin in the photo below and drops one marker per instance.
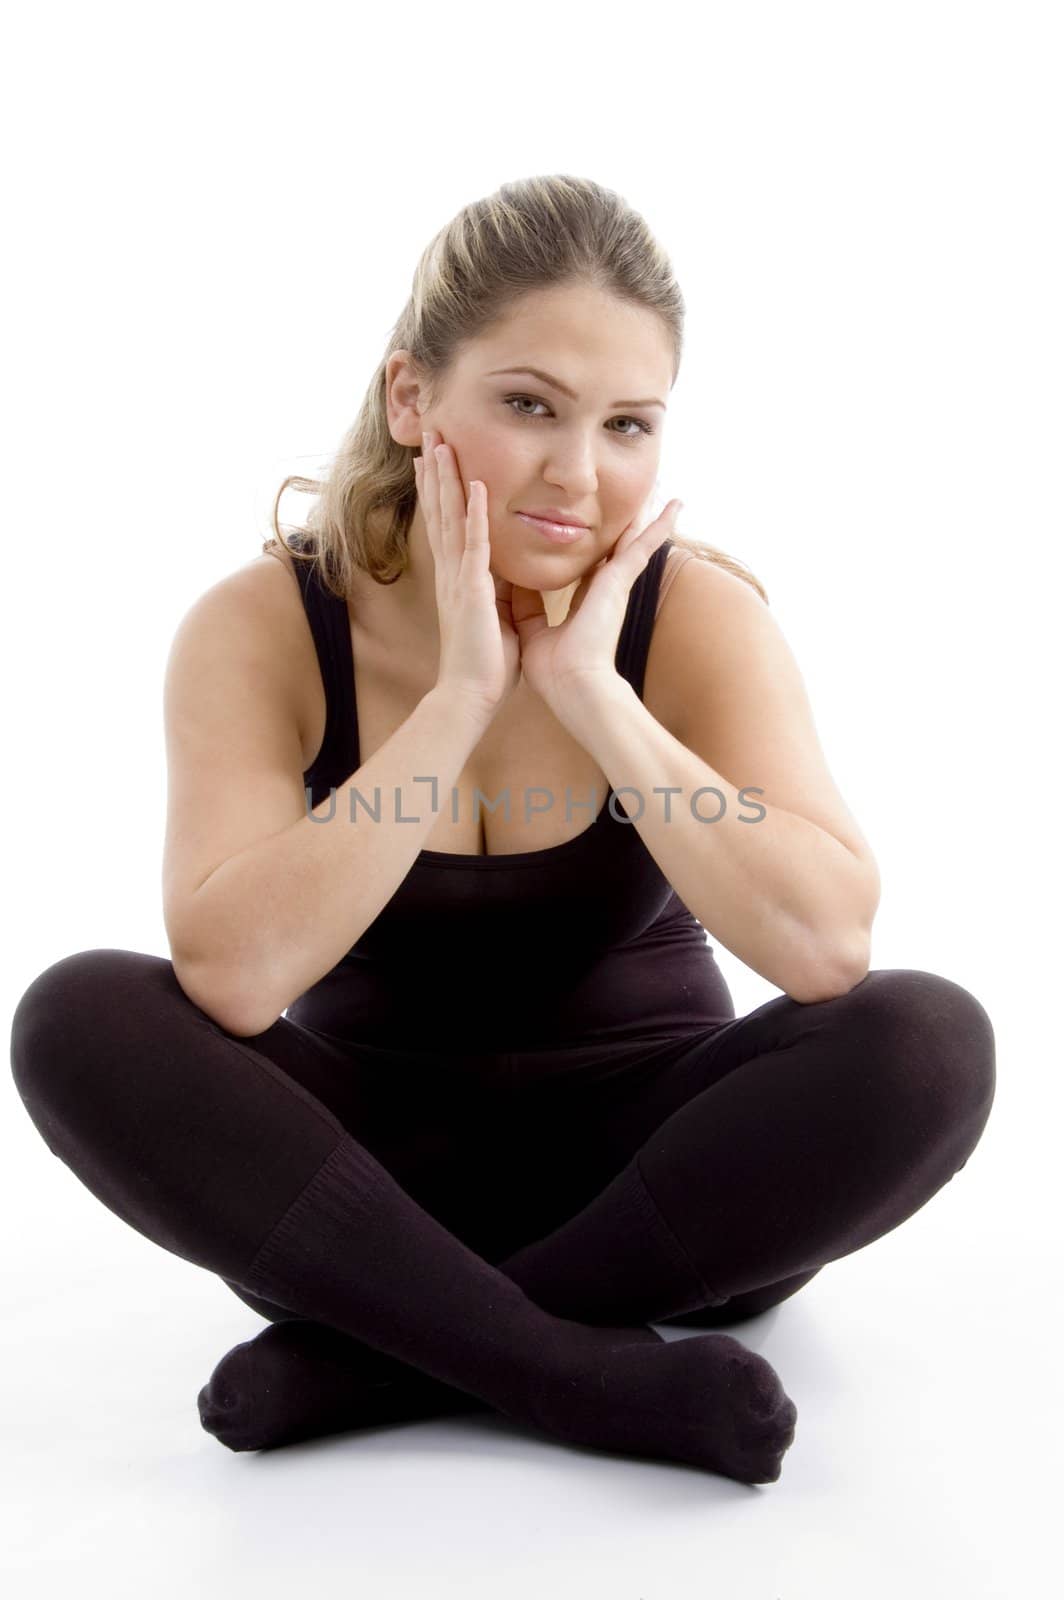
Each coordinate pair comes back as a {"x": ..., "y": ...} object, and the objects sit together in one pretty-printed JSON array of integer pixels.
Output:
[{"x": 542, "y": 576}]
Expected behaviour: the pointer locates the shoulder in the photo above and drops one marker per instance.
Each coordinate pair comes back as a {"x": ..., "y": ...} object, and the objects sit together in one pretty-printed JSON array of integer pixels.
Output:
[
  {"x": 699, "y": 601},
  {"x": 261, "y": 597},
  {"x": 255, "y": 612},
  {"x": 278, "y": 558},
  {"x": 706, "y": 605},
  {"x": 705, "y": 576}
]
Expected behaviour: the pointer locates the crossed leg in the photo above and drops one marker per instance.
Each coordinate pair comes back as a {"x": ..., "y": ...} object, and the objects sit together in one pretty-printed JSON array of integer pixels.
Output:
[{"x": 724, "y": 1173}]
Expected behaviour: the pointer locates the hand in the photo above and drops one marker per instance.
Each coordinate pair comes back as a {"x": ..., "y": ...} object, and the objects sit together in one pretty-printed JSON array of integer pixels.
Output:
[
  {"x": 562, "y": 663},
  {"x": 479, "y": 648}
]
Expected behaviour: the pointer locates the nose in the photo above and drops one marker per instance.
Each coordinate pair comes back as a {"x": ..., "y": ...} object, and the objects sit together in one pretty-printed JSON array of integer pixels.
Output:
[{"x": 571, "y": 470}]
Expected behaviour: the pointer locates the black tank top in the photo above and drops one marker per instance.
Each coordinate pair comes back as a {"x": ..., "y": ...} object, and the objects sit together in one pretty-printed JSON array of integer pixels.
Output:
[{"x": 584, "y": 942}]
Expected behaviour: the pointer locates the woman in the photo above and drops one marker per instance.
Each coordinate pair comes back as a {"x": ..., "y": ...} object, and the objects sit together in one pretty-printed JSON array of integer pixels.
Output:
[{"x": 448, "y": 1087}]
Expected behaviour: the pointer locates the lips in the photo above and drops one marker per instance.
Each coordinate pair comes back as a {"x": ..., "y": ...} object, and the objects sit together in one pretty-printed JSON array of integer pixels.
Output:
[
  {"x": 552, "y": 514},
  {"x": 556, "y": 532}
]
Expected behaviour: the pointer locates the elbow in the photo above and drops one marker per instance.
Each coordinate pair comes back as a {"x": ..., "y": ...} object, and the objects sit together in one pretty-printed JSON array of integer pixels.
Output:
[
  {"x": 841, "y": 959},
  {"x": 834, "y": 974},
  {"x": 222, "y": 1000}
]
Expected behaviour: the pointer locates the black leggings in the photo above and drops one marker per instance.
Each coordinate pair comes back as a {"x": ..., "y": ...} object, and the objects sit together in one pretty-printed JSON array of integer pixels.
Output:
[{"x": 772, "y": 1143}]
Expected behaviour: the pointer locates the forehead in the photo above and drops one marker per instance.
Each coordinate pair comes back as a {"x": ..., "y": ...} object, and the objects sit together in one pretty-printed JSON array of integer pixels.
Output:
[{"x": 579, "y": 333}]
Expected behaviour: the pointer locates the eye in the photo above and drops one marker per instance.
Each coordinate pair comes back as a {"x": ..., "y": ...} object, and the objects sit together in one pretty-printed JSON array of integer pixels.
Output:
[{"x": 641, "y": 426}]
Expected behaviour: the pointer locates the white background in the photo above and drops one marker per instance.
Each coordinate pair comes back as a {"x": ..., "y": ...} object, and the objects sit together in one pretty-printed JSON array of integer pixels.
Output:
[{"x": 213, "y": 214}]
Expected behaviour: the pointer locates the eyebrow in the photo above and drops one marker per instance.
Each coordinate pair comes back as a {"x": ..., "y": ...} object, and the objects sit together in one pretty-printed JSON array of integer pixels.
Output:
[{"x": 545, "y": 377}]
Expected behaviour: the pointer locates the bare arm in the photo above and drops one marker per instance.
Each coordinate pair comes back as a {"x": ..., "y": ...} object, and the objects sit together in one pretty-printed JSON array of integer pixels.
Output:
[{"x": 262, "y": 899}]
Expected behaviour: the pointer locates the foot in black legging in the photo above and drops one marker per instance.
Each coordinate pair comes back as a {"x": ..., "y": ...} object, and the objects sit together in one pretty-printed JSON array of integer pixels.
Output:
[{"x": 299, "y": 1380}]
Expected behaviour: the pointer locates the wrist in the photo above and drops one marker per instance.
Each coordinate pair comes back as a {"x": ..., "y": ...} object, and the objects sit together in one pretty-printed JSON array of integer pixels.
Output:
[
  {"x": 462, "y": 703},
  {"x": 590, "y": 699}
]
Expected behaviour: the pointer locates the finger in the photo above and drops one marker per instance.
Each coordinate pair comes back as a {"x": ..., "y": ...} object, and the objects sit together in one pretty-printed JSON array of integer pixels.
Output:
[
  {"x": 429, "y": 493},
  {"x": 452, "y": 500},
  {"x": 478, "y": 536},
  {"x": 420, "y": 477},
  {"x": 668, "y": 517},
  {"x": 431, "y": 485},
  {"x": 661, "y": 528},
  {"x": 648, "y": 539}
]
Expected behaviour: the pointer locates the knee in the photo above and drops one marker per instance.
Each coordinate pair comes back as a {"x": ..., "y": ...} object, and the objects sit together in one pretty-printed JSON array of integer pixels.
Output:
[
  {"x": 69, "y": 1007},
  {"x": 935, "y": 1042}
]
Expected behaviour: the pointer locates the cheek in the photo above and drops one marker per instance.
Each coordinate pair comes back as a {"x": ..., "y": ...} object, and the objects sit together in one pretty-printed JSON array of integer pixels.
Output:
[{"x": 499, "y": 468}]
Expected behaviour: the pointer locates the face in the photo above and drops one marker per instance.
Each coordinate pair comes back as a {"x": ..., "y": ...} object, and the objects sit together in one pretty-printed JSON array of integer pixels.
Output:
[{"x": 535, "y": 447}]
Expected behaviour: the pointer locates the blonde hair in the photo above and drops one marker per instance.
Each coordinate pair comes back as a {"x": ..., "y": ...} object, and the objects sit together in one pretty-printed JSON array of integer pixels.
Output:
[{"x": 533, "y": 234}]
